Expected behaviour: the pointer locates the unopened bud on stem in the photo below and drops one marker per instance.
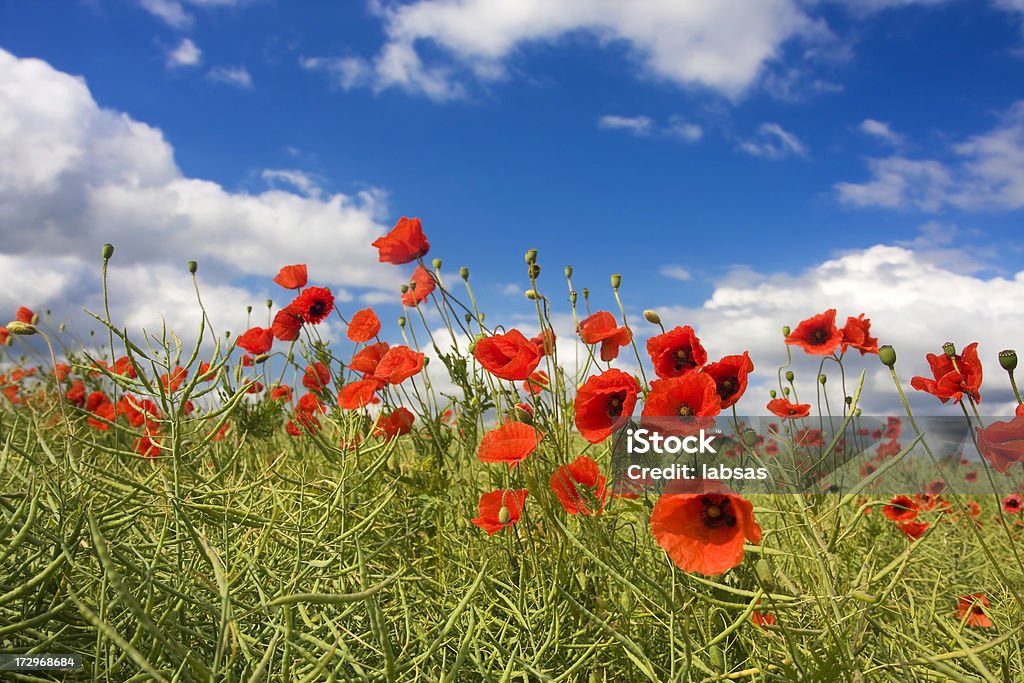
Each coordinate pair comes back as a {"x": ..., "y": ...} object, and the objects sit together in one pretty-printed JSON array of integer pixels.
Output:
[
  {"x": 887, "y": 355},
  {"x": 568, "y": 271},
  {"x": 616, "y": 281},
  {"x": 20, "y": 328},
  {"x": 193, "y": 267},
  {"x": 949, "y": 349},
  {"x": 436, "y": 263},
  {"x": 464, "y": 273},
  {"x": 652, "y": 317},
  {"x": 107, "y": 251},
  {"x": 531, "y": 257},
  {"x": 1008, "y": 360}
]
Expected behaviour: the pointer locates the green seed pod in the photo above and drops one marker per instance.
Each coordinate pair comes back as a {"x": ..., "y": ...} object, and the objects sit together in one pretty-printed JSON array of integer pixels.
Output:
[
  {"x": 464, "y": 273},
  {"x": 403, "y": 289},
  {"x": 193, "y": 267},
  {"x": 481, "y": 318},
  {"x": 531, "y": 256},
  {"x": 426, "y": 361},
  {"x": 533, "y": 271},
  {"x": 248, "y": 309},
  {"x": 21, "y": 329},
  {"x": 436, "y": 263},
  {"x": 568, "y": 271},
  {"x": 573, "y": 297},
  {"x": 238, "y": 373},
  {"x": 468, "y": 318},
  {"x": 586, "y": 293},
  {"x": 1008, "y": 360},
  {"x": 652, "y": 317},
  {"x": 822, "y": 379},
  {"x": 715, "y": 658},
  {"x": 107, "y": 251},
  {"x": 887, "y": 355},
  {"x": 785, "y": 330},
  {"x": 949, "y": 348},
  {"x": 61, "y": 327},
  {"x": 471, "y": 347},
  {"x": 849, "y": 400},
  {"x": 773, "y": 393},
  {"x": 789, "y": 375},
  {"x": 616, "y": 281},
  {"x": 401, "y": 321},
  {"x": 270, "y": 303},
  {"x": 856, "y": 412},
  {"x": 504, "y": 517},
  {"x": 785, "y": 391}
]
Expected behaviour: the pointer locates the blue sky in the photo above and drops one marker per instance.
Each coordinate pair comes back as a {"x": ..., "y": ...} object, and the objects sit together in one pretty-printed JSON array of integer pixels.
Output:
[{"x": 748, "y": 146}]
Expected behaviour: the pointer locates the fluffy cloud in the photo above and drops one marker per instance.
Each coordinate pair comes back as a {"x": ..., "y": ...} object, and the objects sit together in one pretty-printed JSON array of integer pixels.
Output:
[
  {"x": 676, "y": 273},
  {"x": 237, "y": 76},
  {"x": 880, "y": 130},
  {"x": 186, "y": 54},
  {"x": 772, "y": 141},
  {"x": 642, "y": 126},
  {"x": 723, "y": 45},
  {"x": 173, "y": 12},
  {"x": 986, "y": 171},
  {"x": 637, "y": 125},
  {"x": 76, "y": 175}
]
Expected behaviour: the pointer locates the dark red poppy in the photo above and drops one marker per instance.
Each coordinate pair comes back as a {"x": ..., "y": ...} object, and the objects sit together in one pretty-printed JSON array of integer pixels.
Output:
[
  {"x": 545, "y": 341},
  {"x": 536, "y": 383},
  {"x": 281, "y": 392},
  {"x": 762, "y": 619},
  {"x": 292, "y": 277},
  {"x": 367, "y": 359},
  {"x": 303, "y": 423},
  {"x": 205, "y": 373},
  {"x": 256, "y": 340},
  {"x": 510, "y": 443},
  {"x": 856, "y": 334},
  {"x": 398, "y": 364},
  {"x": 148, "y": 445},
  {"x": 316, "y": 377},
  {"x": 356, "y": 395},
  {"x": 580, "y": 487},
  {"x": 138, "y": 411},
  {"x": 704, "y": 531},
  {"x": 254, "y": 388},
  {"x": 953, "y": 379},
  {"x": 123, "y": 366},
  {"x": 971, "y": 477},
  {"x": 364, "y": 326},
  {"x": 901, "y": 509},
  {"x": 248, "y": 361},
  {"x": 395, "y": 423},
  {"x": 100, "y": 406},
  {"x": 730, "y": 375},
  {"x": 691, "y": 395},
  {"x": 1013, "y": 504},
  {"x": 936, "y": 487},
  {"x": 25, "y": 315},
  {"x": 601, "y": 328},
  {"x": 491, "y": 518},
  {"x": 76, "y": 393},
  {"x": 420, "y": 287},
  {"x": 676, "y": 353},
  {"x": 5, "y": 336},
  {"x": 971, "y": 610},
  {"x": 1002, "y": 443},
  {"x": 508, "y": 356},
  {"x": 913, "y": 530},
  {"x": 173, "y": 380},
  {"x": 784, "y": 409},
  {"x": 287, "y": 323},
  {"x": 818, "y": 335},
  {"x": 314, "y": 304},
  {"x": 309, "y": 404},
  {"x": 603, "y": 401},
  {"x": 404, "y": 243}
]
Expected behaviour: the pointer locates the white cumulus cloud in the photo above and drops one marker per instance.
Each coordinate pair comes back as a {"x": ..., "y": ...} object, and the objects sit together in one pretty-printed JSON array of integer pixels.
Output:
[{"x": 772, "y": 141}]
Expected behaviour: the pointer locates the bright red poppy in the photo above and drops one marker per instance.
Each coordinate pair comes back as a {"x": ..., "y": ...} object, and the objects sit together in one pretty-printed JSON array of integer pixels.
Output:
[
  {"x": 205, "y": 373},
  {"x": 510, "y": 443},
  {"x": 856, "y": 333},
  {"x": 76, "y": 393},
  {"x": 292, "y": 277},
  {"x": 398, "y": 364},
  {"x": 287, "y": 323},
  {"x": 148, "y": 445},
  {"x": 913, "y": 530},
  {"x": 676, "y": 353},
  {"x": 281, "y": 392},
  {"x": 580, "y": 487},
  {"x": 316, "y": 377},
  {"x": 309, "y": 404},
  {"x": 1013, "y": 504},
  {"x": 971, "y": 610},
  {"x": 953, "y": 380},
  {"x": 172, "y": 381},
  {"x": 818, "y": 335},
  {"x": 138, "y": 411},
  {"x": 491, "y": 504},
  {"x": 248, "y": 361},
  {"x": 508, "y": 356},
  {"x": 303, "y": 423},
  {"x": 784, "y": 409},
  {"x": 356, "y": 395},
  {"x": 5, "y": 336},
  {"x": 1002, "y": 443},
  {"x": 601, "y": 328},
  {"x": 536, "y": 383},
  {"x": 395, "y": 423},
  {"x": 404, "y": 243},
  {"x": 691, "y": 395},
  {"x": 762, "y": 619},
  {"x": 100, "y": 406},
  {"x": 900, "y": 509},
  {"x": 25, "y": 315},
  {"x": 545, "y": 341},
  {"x": 367, "y": 359},
  {"x": 314, "y": 304},
  {"x": 730, "y": 375},
  {"x": 420, "y": 287},
  {"x": 256, "y": 340},
  {"x": 364, "y": 326},
  {"x": 1019, "y": 411},
  {"x": 704, "y": 531},
  {"x": 603, "y": 401},
  {"x": 254, "y": 388}
]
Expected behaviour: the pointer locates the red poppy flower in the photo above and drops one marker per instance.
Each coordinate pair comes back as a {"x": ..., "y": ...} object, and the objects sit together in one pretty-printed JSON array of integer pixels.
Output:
[
  {"x": 404, "y": 244},
  {"x": 887, "y": 449},
  {"x": 316, "y": 377},
  {"x": 952, "y": 381},
  {"x": 900, "y": 509},
  {"x": 692, "y": 395},
  {"x": 292, "y": 277},
  {"x": 100, "y": 406},
  {"x": 491, "y": 504},
  {"x": 510, "y": 443},
  {"x": 730, "y": 375},
  {"x": 676, "y": 353},
  {"x": 603, "y": 401},
  {"x": 123, "y": 366},
  {"x": 971, "y": 610},
  {"x": 762, "y": 619},
  {"x": 248, "y": 361},
  {"x": 784, "y": 409},
  {"x": 254, "y": 388},
  {"x": 139, "y": 411},
  {"x": 913, "y": 530},
  {"x": 508, "y": 356},
  {"x": 545, "y": 342},
  {"x": 601, "y": 328},
  {"x": 536, "y": 383},
  {"x": 304, "y": 423},
  {"x": 25, "y": 315},
  {"x": 282, "y": 392},
  {"x": 580, "y": 487},
  {"x": 76, "y": 393},
  {"x": 1013, "y": 504},
  {"x": 973, "y": 509},
  {"x": 5, "y": 336},
  {"x": 1002, "y": 443},
  {"x": 704, "y": 532},
  {"x": 309, "y": 404},
  {"x": 314, "y": 304},
  {"x": 395, "y": 423},
  {"x": 148, "y": 445},
  {"x": 971, "y": 477},
  {"x": 1019, "y": 411},
  {"x": 420, "y": 287},
  {"x": 364, "y": 326},
  {"x": 256, "y": 340},
  {"x": 936, "y": 487},
  {"x": 818, "y": 335},
  {"x": 398, "y": 364},
  {"x": 172, "y": 381},
  {"x": 287, "y": 323},
  {"x": 205, "y": 375},
  {"x": 856, "y": 334},
  {"x": 367, "y": 359},
  {"x": 356, "y": 395}
]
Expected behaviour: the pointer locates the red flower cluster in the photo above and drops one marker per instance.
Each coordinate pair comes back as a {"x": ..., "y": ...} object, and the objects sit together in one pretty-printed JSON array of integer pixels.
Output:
[
  {"x": 953, "y": 376},
  {"x": 819, "y": 336}
]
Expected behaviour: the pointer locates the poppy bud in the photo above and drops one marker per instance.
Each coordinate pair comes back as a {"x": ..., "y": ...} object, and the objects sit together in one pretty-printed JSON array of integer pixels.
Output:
[
  {"x": 652, "y": 317},
  {"x": 471, "y": 347},
  {"x": 715, "y": 658},
  {"x": 426, "y": 361},
  {"x": 403, "y": 289},
  {"x": 949, "y": 349},
  {"x": 785, "y": 391},
  {"x": 772, "y": 393},
  {"x": 469, "y": 318},
  {"x": 749, "y": 437},
  {"x": 568, "y": 271},
  {"x": 436, "y": 263},
  {"x": 887, "y": 355},
  {"x": 262, "y": 358},
  {"x": 193, "y": 267},
  {"x": 856, "y": 412},
  {"x": 849, "y": 400},
  {"x": 481, "y": 318},
  {"x": 523, "y": 415},
  {"x": 534, "y": 271},
  {"x": 586, "y": 293},
  {"x": 20, "y": 328},
  {"x": 531, "y": 257},
  {"x": 270, "y": 303},
  {"x": 503, "y": 515},
  {"x": 822, "y": 378},
  {"x": 863, "y": 597},
  {"x": 108, "y": 251},
  {"x": 464, "y": 273},
  {"x": 785, "y": 330},
  {"x": 616, "y": 281},
  {"x": 412, "y": 285},
  {"x": 401, "y": 321},
  {"x": 1008, "y": 360},
  {"x": 531, "y": 294},
  {"x": 248, "y": 309},
  {"x": 789, "y": 375},
  {"x": 573, "y": 297}
]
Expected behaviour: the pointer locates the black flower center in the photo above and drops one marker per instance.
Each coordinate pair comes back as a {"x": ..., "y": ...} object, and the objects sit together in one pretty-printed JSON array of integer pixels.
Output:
[
  {"x": 682, "y": 359},
  {"x": 614, "y": 405},
  {"x": 819, "y": 336},
  {"x": 716, "y": 512},
  {"x": 317, "y": 309}
]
